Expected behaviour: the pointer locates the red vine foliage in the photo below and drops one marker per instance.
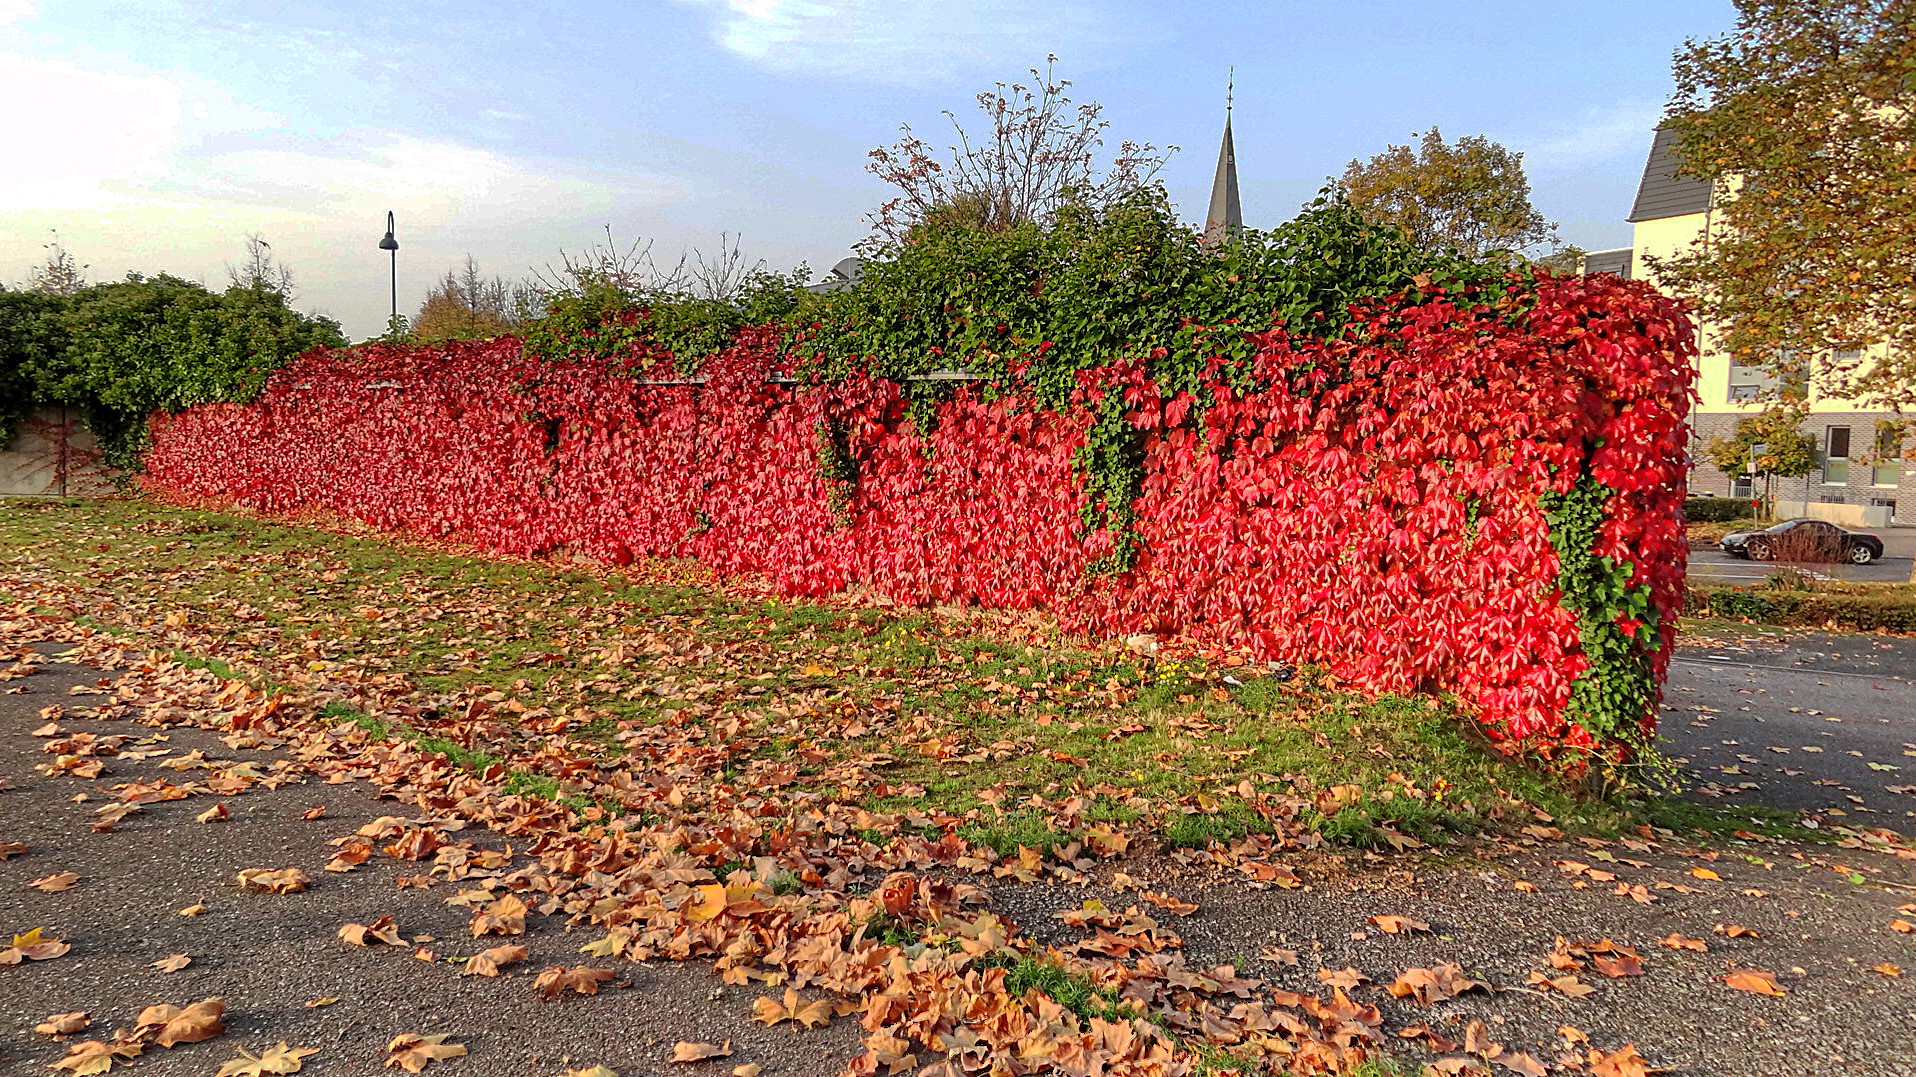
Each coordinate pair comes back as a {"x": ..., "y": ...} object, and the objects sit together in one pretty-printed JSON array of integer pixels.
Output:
[{"x": 1374, "y": 510}]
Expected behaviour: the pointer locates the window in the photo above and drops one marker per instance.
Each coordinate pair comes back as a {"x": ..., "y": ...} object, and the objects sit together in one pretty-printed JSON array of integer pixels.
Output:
[
  {"x": 1743, "y": 487},
  {"x": 1888, "y": 469},
  {"x": 1849, "y": 353},
  {"x": 1836, "y": 456},
  {"x": 1745, "y": 392}
]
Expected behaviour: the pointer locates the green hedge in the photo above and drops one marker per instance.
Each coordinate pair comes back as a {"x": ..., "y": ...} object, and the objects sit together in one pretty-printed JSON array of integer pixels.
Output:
[
  {"x": 1891, "y": 609},
  {"x": 1716, "y": 510}
]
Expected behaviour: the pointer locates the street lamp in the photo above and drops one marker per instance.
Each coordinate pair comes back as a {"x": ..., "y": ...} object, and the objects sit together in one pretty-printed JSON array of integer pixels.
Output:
[{"x": 388, "y": 243}]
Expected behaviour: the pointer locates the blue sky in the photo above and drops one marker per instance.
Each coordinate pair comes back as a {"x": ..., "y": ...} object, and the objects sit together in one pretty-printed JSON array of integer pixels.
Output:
[{"x": 161, "y": 132}]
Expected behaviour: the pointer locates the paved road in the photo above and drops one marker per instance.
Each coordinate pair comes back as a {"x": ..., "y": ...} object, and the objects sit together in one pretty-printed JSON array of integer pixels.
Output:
[
  {"x": 1714, "y": 566},
  {"x": 1815, "y": 722}
]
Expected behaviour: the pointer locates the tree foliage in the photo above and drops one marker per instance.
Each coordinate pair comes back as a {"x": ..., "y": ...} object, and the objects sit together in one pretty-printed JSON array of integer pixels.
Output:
[
  {"x": 1788, "y": 451},
  {"x": 1038, "y": 154},
  {"x": 1804, "y": 119},
  {"x": 465, "y": 305},
  {"x": 1470, "y": 196}
]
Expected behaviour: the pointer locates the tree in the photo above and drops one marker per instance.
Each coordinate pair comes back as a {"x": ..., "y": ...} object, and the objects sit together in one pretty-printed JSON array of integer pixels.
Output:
[
  {"x": 60, "y": 275},
  {"x": 260, "y": 271},
  {"x": 1788, "y": 452},
  {"x": 1804, "y": 120},
  {"x": 467, "y": 306},
  {"x": 1471, "y": 197},
  {"x": 1038, "y": 156}
]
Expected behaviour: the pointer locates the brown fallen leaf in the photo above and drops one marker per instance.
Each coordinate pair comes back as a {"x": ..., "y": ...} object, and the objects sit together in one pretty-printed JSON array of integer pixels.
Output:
[
  {"x": 595, "y": 1071},
  {"x": 1706, "y": 873},
  {"x": 1568, "y": 986},
  {"x": 53, "y": 884},
  {"x": 1518, "y": 1062},
  {"x": 1525, "y": 886},
  {"x": 1756, "y": 982},
  {"x": 505, "y": 916},
  {"x": 1278, "y": 955},
  {"x": 33, "y": 946},
  {"x": 62, "y": 1025},
  {"x": 1622, "y": 1062},
  {"x": 1887, "y": 969},
  {"x": 1398, "y": 925},
  {"x": 173, "y": 964},
  {"x": 1735, "y": 931},
  {"x": 214, "y": 814},
  {"x": 170, "y": 1026},
  {"x": 1169, "y": 904},
  {"x": 282, "y": 881},
  {"x": 412, "y": 1052},
  {"x": 320, "y": 1003},
  {"x": 1433, "y": 985},
  {"x": 1619, "y": 967},
  {"x": 699, "y": 1052},
  {"x": 380, "y": 930},
  {"x": 487, "y": 962},
  {"x": 314, "y": 813},
  {"x": 1677, "y": 942},
  {"x": 770, "y": 1011},
  {"x": 750, "y": 1069},
  {"x": 1346, "y": 978},
  {"x": 1902, "y": 927},
  {"x": 10, "y": 849},
  {"x": 195, "y": 909},
  {"x": 275, "y": 1060},
  {"x": 584, "y": 980},
  {"x": 93, "y": 1056}
]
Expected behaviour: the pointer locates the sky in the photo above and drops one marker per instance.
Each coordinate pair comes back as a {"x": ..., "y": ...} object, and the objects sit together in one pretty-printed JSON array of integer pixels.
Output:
[{"x": 155, "y": 135}]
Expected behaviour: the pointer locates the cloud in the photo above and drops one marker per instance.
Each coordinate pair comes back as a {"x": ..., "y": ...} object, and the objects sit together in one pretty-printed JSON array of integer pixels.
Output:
[
  {"x": 905, "y": 41},
  {"x": 148, "y": 171},
  {"x": 1602, "y": 134},
  {"x": 12, "y": 11}
]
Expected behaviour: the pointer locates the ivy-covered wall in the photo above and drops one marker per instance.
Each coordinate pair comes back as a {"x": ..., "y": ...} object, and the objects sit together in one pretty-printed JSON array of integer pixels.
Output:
[{"x": 1474, "y": 490}]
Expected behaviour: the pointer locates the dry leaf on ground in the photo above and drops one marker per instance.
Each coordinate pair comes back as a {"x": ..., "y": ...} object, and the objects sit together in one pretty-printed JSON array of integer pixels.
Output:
[
  {"x": 380, "y": 930},
  {"x": 170, "y": 1026},
  {"x": 585, "y": 980},
  {"x": 770, "y": 1011},
  {"x": 33, "y": 946},
  {"x": 1398, "y": 925},
  {"x": 487, "y": 962},
  {"x": 1433, "y": 984},
  {"x": 61, "y": 1025},
  {"x": 1756, "y": 982},
  {"x": 699, "y": 1052},
  {"x": 276, "y": 1060},
  {"x": 173, "y": 963},
  {"x": 93, "y": 1057},
  {"x": 283, "y": 881},
  {"x": 505, "y": 916},
  {"x": 412, "y": 1052}
]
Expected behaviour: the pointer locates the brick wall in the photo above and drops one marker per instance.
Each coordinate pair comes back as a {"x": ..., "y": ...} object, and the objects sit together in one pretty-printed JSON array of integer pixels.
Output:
[{"x": 1861, "y": 489}]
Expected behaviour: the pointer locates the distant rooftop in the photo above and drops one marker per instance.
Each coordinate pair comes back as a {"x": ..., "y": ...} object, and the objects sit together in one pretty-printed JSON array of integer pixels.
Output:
[{"x": 1663, "y": 193}]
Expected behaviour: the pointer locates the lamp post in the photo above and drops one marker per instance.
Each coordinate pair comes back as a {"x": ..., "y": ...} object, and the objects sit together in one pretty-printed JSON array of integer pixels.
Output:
[{"x": 388, "y": 243}]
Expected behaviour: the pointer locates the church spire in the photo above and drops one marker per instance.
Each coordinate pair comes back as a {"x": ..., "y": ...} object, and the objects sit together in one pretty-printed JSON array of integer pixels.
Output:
[{"x": 1225, "y": 219}]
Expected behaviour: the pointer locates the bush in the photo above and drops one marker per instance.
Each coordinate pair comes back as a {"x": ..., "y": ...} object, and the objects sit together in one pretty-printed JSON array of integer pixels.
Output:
[
  {"x": 1716, "y": 510},
  {"x": 1854, "y": 607}
]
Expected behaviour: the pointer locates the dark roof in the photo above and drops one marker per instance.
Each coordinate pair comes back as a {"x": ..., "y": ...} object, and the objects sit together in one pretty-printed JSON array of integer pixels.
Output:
[
  {"x": 1663, "y": 193},
  {"x": 1617, "y": 262}
]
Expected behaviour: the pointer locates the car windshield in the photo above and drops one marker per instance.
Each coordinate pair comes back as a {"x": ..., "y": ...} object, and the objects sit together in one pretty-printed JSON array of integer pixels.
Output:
[{"x": 1784, "y": 526}]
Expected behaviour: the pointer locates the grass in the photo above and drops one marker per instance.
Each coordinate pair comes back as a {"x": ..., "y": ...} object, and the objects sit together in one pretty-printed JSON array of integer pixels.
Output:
[
  {"x": 975, "y": 715},
  {"x": 1074, "y": 993}
]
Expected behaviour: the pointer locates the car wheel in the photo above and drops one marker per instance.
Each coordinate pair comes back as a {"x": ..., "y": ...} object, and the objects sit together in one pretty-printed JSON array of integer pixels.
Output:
[
  {"x": 1760, "y": 551},
  {"x": 1860, "y": 554}
]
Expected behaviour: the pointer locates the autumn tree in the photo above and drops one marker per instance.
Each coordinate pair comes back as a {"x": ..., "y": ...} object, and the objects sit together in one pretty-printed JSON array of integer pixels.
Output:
[
  {"x": 466, "y": 305},
  {"x": 1470, "y": 196},
  {"x": 1786, "y": 451},
  {"x": 1037, "y": 153},
  {"x": 61, "y": 275},
  {"x": 1804, "y": 120}
]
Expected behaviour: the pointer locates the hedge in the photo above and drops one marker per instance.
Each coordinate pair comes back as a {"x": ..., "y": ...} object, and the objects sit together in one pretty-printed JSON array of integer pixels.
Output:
[
  {"x": 1890, "y": 609},
  {"x": 1717, "y": 510},
  {"x": 1460, "y": 494}
]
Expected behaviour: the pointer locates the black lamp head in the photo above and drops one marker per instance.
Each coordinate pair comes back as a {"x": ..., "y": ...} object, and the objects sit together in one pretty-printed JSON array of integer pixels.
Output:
[{"x": 388, "y": 243}]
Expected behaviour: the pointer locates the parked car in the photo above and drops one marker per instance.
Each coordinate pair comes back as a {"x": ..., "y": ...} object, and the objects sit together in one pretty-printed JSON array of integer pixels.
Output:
[{"x": 1804, "y": 540}]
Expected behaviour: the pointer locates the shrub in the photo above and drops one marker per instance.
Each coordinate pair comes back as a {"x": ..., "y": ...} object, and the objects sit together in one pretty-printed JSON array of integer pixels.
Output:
[
  {"x": 1712, "y": 510},
  {"x": 1861, "y": 608}
]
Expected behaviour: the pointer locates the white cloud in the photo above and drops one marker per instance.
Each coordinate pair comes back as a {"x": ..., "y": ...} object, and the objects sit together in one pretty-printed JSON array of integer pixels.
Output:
[
  {"x": 147, "y": 171},
  {"x": 1604, "y": 134},
  {"x": 12, "y": 11},
  {"x": 894, "y": 40}
]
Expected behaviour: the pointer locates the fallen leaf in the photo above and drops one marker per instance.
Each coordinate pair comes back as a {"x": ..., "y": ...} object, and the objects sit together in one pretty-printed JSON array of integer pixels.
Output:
[
  {"x": 173, "y": 964},
  {"x": 1433, "y": 985},
  {"x": 1756, "y": 982},
  {"x": 9, "y": 849},
  {"x": 276, "y": 1060},
  {"x": 61, "y": 1025},
  {"x": 320, "y": 1003},
  {"x": 1901, "y": 927},
  {"x": 1278, "y": 956},
  {"x": 1735, "y": 931},
  {"x": 1706, "y": 873},
  {"x": 505, "y": 916},
  {"x": 1619, "y": 967},
  {"x": 1622, "y": 1062},
  {"x": 33, "y": 946},
  {"x": 170, "y": 1026},
  {"x": 93, "y": 1057},
  {"x": 195, "y": 909},
  {"x": 53, "y": 884},
  {"x": 750, "y": 1069},
  {"x": 1346, "y": 978},
  {"x": 282, "y": 881},
  {"x": 487, "y": 962},
  {"x": 584, "y": 980},
  {"x": 595, "y": 1071},
  {"x": 314, "y": 813},
  {"x": 769, "y": 1011},
  {"x": 380, "y": 930},
  {"x": 213, "y": 815},
  {"x": 1887, "y": 969},
  {"x": 412, "y": 1052},
  {"x": 699, "y": 1052},
  {"x": 1677, "y": 942},
  {"x": 1398, "y": 925}
]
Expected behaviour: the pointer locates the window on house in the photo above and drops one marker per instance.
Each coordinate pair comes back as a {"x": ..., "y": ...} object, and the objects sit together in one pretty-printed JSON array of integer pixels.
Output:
[
  {"x": 1849, "y": 353},
  {"x": 1836, "y": 456},
  {"x": 1745, "y": 392},
  {"x": 1744, "y": 487},
  {"x": 1888, "y": 469}
]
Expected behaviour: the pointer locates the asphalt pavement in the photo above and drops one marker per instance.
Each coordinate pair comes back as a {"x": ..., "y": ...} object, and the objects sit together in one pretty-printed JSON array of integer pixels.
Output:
[{"x": 1816, "y": 723}]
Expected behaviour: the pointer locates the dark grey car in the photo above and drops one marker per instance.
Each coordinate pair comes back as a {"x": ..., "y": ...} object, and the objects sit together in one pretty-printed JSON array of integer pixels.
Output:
[{"x": 1804, "y": 540}]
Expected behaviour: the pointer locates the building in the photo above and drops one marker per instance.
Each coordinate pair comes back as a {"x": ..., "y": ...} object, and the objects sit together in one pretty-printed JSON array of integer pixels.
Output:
[{"x": 1673, "y": 212}]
